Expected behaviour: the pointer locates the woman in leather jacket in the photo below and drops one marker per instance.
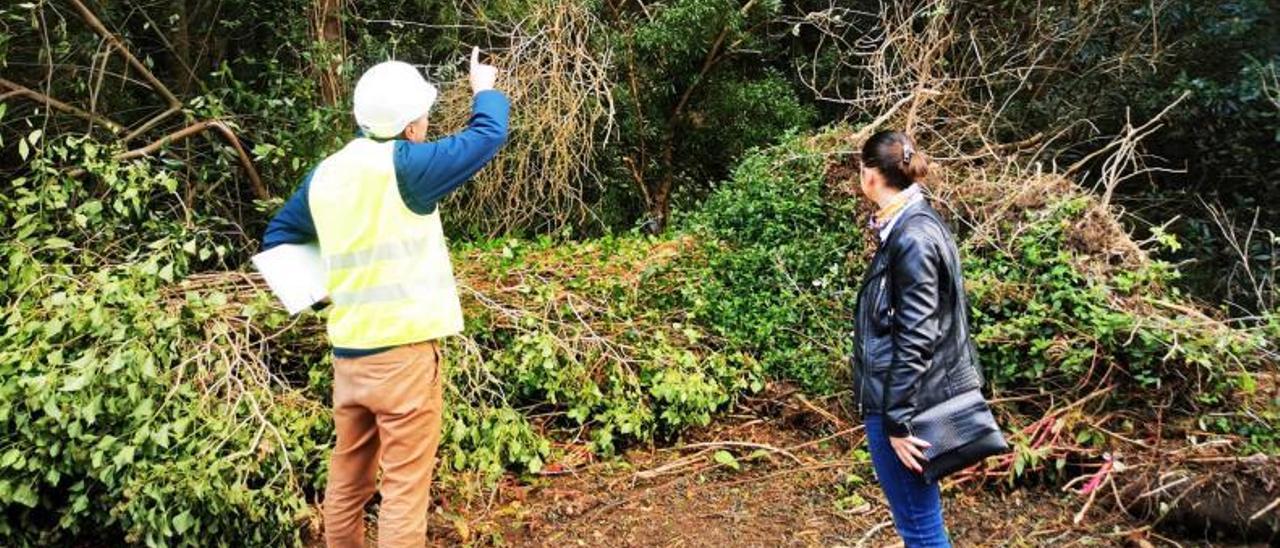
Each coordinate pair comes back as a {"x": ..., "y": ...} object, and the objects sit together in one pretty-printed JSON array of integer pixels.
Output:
[{"x": 912, "y": 345}]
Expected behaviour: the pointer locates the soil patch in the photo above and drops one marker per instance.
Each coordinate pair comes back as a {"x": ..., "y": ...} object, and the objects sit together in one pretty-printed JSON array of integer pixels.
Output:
[{"x": 788, "y": 483}]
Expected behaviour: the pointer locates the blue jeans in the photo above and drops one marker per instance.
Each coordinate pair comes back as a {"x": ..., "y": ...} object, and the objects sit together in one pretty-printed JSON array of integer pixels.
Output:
[{"x": 916, "y": 505}]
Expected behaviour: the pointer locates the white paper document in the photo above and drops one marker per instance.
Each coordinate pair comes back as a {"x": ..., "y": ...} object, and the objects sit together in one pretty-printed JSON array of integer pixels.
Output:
[{"x": 295, "y": 273}]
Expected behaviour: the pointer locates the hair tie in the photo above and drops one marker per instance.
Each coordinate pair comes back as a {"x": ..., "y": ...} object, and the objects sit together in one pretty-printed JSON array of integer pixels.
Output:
[{"x": 907, "y": 151}]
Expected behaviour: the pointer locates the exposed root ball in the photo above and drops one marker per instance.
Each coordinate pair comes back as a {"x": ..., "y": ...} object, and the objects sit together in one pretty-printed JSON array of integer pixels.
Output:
[{"x": 1227, "y": 502}]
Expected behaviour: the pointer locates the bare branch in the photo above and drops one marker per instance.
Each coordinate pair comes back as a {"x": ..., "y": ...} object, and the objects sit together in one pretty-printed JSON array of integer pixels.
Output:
[
  {"x": 111, "y": 38},
  {"x": 255, "y": 181},
  {"x": 18, "y": 90}
]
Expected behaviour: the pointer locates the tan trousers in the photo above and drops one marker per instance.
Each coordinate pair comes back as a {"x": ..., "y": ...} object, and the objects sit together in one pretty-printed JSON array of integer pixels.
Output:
[{"x": 386, "y": 410}]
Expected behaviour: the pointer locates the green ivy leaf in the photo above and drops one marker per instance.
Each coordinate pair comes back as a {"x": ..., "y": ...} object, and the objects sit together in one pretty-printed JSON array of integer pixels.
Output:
[
  {"x": 726, "y": 458},
  {"x": 1247, "y": 384},
  {"x": 125, "y": 456},
  {"x": 182, "y": 522},
  {"x": 26, "y": 496},
  {"x": 166, "y": 272},
  {"x": 535, "y": 465},
  {"x": 72, "y": 384}
]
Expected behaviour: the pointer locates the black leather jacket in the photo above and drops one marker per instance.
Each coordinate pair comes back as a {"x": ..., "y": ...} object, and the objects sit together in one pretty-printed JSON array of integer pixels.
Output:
[{"x": 912, "y": 347}]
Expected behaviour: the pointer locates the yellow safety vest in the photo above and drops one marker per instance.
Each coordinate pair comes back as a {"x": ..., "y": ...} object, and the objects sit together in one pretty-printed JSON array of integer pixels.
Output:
[{"x": 390, "y": 279}]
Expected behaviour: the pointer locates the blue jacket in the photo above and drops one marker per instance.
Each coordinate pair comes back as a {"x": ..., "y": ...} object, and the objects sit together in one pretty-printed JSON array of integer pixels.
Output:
[{"x": 425, "y": 173}]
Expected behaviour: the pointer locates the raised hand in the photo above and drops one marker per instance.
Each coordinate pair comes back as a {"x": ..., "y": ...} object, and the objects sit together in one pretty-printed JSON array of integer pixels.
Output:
[{"x": 482, "y": 75}]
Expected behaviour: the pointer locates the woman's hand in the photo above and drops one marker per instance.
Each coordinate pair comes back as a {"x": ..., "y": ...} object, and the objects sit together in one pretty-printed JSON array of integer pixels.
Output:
[{"x": 908, "y": 450}]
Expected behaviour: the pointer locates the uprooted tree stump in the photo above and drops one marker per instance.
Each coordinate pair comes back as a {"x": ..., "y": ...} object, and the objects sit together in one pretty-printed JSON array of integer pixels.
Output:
[{"x": 1223, "y": 498}]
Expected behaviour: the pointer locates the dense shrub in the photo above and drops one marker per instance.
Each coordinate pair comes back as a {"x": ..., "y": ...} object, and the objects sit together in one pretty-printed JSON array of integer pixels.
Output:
[
  {"x": 776, "y": 281},
  {"x": 1062, "y": 299},
  {"x": 120, "y": 422},
  {"x": 148, "y": 402},
  {"x": 129, "y": 411},
  {"x": 151, "y": 402},
  {"x": 569, "y": 329},
  {"x": 1042, "y": 317}
]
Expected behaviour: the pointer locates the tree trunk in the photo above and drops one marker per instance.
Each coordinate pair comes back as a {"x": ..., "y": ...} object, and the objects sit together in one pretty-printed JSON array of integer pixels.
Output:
[
  {"x": 182, "y": 48},
  {"x": 660, "y": 205},
  {"x": 332, "y": 44}
]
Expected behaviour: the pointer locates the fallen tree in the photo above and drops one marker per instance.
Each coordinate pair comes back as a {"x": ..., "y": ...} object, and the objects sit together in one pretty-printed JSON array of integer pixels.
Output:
[
  {"x": 192, "y": 409},
  {"x": 153, "y": 395}
]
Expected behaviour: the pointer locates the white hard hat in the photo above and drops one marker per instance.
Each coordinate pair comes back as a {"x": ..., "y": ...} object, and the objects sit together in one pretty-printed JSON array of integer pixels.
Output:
[{"x": 389, "y": 96}]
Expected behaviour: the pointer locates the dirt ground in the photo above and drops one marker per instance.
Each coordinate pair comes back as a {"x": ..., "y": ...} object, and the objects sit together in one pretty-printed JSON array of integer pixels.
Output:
[{"x": 791, "y": 482}]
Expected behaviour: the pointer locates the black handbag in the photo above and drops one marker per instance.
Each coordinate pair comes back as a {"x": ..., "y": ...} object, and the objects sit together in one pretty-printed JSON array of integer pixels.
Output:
[{"x": 961, "y": 432}]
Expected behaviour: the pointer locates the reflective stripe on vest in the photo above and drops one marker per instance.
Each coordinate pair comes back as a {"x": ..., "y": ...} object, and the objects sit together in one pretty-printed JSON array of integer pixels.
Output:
[
  {"x": 390, "y": 279},
  {"x": 382, "y": 252},
  {"x": 391, "y": 292}
]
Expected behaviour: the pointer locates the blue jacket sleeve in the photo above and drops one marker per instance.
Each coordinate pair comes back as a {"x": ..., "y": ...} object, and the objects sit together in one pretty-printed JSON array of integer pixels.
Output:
[
  {"x": 293, "y": 223},
  {"x": 427, "y": 172}
]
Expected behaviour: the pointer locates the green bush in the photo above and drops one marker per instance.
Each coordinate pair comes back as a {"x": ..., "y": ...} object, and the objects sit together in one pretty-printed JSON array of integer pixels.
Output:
[
  {"x": 1048, "y": 310},
  {"x": 128, "y": 413},
  {"x": 121, "y": 419},
  {"x": 775, "y": 281},
  {"x": 580, "y": 337},
  {"x": 149, "y": 402},
  {"x": 1042, "y": 320}
]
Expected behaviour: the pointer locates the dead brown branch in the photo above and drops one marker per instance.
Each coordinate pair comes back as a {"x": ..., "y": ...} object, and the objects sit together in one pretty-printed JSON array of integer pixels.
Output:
[
  {"x": 1125, "y": 160},
  {"x": 19, "y": 90},
  {"x": 749, "y": 445},
  {"x": 174, "y": 104},
  {"x": 255, "y": 181},
  {"x": 1247, "y": 271}
]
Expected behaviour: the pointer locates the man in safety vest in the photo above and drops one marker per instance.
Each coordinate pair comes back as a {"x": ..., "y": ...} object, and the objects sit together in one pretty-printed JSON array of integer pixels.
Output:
[{"x": 373, "y": 208}]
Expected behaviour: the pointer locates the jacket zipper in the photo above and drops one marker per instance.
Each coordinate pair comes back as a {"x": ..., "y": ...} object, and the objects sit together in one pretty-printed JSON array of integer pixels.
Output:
[
  {"x": 862, "y": 345},
  {"x": 862, "y": 355},
  {"x": 862, "y": 333}
]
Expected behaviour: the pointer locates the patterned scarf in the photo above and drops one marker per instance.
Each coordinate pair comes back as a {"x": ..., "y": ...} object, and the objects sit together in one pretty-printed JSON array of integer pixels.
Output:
[{"x": 885, "y": 215}]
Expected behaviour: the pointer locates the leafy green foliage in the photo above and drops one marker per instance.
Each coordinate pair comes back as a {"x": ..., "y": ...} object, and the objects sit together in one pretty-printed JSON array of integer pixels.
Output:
[
  {"x": 1049, "y": 309},
  {"x": 651, "y": 375},
  {"x": 1040, "y": 317},
  {"x": 149, "y": 400},
  {"x": 775, "y": 281},
  {"x": 119, "y": 417},
  {"x": 738, "y": 113},
  {"x": 148, "y": 405},
  {"x": 698, "y": 83},
  {"x": 161, "y": 401}
]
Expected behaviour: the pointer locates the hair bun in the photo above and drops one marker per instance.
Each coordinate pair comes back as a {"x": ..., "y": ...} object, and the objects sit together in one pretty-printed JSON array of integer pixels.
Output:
[
  {"x": 895, "y": 155},
  {"x": 914, "y": 165}
]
